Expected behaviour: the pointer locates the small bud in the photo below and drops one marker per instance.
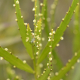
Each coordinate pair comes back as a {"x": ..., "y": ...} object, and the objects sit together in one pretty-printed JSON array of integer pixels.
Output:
[
  {"x": 14, "y": 5},
  {"x": 77, "y": 3},
  {"x": 6, "y": 49},
  {"x": 50, "y": 33},
  {"x": 50, "y": 59},
  {"x": 1, "y": 58},
  {"x": 21, "y": 16},
  {"x": 25, "y": 24},
  {"x": 17, "y": 2},
  {"x": 16, "y": 20},
  {"x": 8, "y": 79},
  {"x": 67, "y": 25},
  {"x": 43, "y": 39},
  {"x": 41, "y": 4},
  {"x": 47, "y": 64},
  {"x": 49, "y": 52},
  {"x": 75, "y": 54},
  {"x": 41, "y": 65},
  {"x": 63, "y": 19},
  {"x": 14, "y": 66},
  {"x": 61, "y": 38},
  {"x": 33, "y": 0},
  {"x": 33, "y": 9},
  {"x": 72, "y": 67},
  {"x": 57, "y": 45},
  {"x": 78, "y": 61},
  {"x": 66, "y": 12},
  {"x": 53, "y": 32},
  {"x": 43, "y": 71},
  {"x": 48, "y": 78},
  {"x": 37, "y": 53},
  {"x": 56, "y": 73},
  {"x": 15, "y": 12},
  {"x": 34, "y": 20},
  {"x": 24, "y": 61}
]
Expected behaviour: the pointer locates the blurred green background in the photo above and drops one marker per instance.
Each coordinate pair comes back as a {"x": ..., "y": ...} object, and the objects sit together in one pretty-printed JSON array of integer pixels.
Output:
[{"x": 10, "y": 37}]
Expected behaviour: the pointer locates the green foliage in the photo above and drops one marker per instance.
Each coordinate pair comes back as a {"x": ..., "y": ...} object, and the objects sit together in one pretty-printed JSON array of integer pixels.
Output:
[
  {"x": 66, "y": 68},
  {"x": 14, "y": 60},
  {"x": 33, "y": 41},
  {"x": 59, "y": 32},
  {"x": 22, "y": 28},
  {"x": 76, "y": 42}
]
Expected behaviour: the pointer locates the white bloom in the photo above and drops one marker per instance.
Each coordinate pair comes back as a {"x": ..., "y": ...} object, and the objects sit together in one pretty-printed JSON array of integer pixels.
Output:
[
  {"x": 6, "y": 49},
  {"x": 61, "y": 38},
  {"x": 50, "y": 59},
  {"x": 33, "y": 9},
  {"x": 14, "y": 5},
  {"x": 24, "y": 61},
  {"x": 17, "y": 2}
]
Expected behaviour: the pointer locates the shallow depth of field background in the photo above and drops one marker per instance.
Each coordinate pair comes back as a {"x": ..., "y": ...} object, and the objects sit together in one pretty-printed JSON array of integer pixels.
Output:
[{"x": 10, "y": 37}]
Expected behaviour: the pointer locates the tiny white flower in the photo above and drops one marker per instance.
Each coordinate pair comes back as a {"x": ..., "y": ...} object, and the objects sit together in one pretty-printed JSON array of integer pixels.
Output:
[
  {"x": 56, "y": 73},
  {"x": 14, "y": 5},
  {"x": 16, "y": 20},
  {"x": 37, "y": 53},
  {"x": 34, "y": 20},
  {"x": 67, "y": 25},
  {"x": 78, "y": 61},
  {"x": 49, "y": 52},
  {"x": 48, "y": 78},
  {"x": 50, "y": 33},
  {"x": 17, "y": 77},
  {"x": 21, "y": 16},
  {"x": 14, "y": 66},
  {"x": 17, "y": 2},
  {"x": 6, "y": 49},
  {"x": 1, "y": 58},
  {"x": 57, "y": 45},
  {"x": 37, "y": 46},
  {"x": 47, "y": 64},
  {"x": 25, "y": 24},
  {"x": 43, "y": 39},
  {"x": 8, "y": 79},
  {"x": 50, "y": 46},
  {"x": 41, "y": 65},
  {"x": 33, "y": 9},
  {"x": 40, "y": 44},
  {"x": 32, "y": 33},
  {"x": 53, "y": 32},
  {"x": 50, "y": 59},
  {"x": 43, "y": 71},
  {"x": 61, "y": 38},
  {"x": 63, "y": 19},
  {"x": 40, "y": 14},
  {"x": 49, "y": 39},
  {"x": 69, "y": 60},
  {"x": 24, "y": 61},
  {"x": 75, "y": 54},
  {"x": 41, "y": 4},
  {"x": 33, "y": 0},
  {"x": 72, "y": 67},
  {"x": 27, "y": 39},
  {"x": 36, "y": 26}
]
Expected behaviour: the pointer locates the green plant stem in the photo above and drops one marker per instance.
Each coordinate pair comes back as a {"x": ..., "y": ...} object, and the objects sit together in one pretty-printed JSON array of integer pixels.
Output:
[
  {"x": 67, "y": 68},
  {"x": 53, "y": 13},
  {"x": 35, "y": 68},
  {"x": 34, "y": 63}
]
